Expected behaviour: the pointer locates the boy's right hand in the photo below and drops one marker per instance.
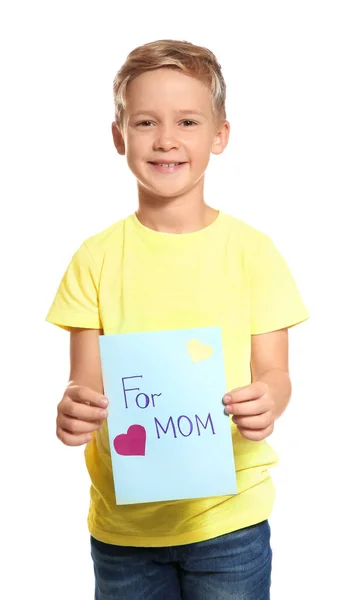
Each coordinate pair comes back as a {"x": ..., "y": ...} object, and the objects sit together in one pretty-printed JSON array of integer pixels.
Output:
[{"x": 81, "y": 411}]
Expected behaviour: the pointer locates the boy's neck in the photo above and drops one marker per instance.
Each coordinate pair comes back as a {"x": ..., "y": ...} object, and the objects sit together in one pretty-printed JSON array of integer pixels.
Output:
[{"x": 176, "y": 219}]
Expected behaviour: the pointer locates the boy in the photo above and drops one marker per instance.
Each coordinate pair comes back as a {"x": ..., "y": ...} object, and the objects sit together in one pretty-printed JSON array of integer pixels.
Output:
[{"x": 178, "y": 263}]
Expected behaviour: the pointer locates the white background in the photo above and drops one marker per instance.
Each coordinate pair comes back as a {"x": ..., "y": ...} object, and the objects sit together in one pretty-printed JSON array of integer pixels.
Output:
[{"x": 287, "y": 170}]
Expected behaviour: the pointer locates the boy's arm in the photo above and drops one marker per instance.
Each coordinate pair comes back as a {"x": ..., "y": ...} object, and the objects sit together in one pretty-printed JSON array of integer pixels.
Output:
[
  {"x": 255, "y": 407},
  {"x": 269, "y": 364},
  {"x": 83, "y": 407},
  {"x": 85, "y": 364}
]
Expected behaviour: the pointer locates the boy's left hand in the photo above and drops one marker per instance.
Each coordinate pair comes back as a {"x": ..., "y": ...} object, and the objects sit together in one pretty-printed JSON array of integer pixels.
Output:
[{"x": 252, "y": 408}]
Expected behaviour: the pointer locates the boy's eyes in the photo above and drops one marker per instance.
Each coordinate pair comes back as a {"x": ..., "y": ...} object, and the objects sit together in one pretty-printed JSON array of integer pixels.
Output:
[{"x": 185, "y": 121}]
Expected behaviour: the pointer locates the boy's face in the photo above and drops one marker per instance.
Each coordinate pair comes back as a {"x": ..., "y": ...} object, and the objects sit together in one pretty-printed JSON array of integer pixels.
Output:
[{"x": 169, "y": 118}]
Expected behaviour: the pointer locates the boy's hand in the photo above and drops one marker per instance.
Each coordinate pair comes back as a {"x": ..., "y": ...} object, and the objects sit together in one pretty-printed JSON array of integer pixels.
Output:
[
  {"x": 81, "y": 411},
  {"x": 252, "y": 408}
]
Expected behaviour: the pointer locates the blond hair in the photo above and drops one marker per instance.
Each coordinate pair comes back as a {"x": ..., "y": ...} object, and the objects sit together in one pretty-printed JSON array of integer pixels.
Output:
[{"x": 195, "y": 61}]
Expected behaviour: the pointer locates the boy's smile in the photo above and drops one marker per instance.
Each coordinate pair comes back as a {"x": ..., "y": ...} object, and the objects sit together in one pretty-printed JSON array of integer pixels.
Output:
[
  {"x": 168, "y": 133},
  {"x": 170, "y": 167}
]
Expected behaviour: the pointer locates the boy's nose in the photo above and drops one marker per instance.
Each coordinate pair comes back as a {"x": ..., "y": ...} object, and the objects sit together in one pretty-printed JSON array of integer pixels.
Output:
[{"x": 165, "y": 141}]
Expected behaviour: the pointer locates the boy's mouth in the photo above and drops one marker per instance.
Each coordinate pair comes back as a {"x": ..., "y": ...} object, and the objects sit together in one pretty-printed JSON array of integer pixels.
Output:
[{"x": 167, "y": 167}]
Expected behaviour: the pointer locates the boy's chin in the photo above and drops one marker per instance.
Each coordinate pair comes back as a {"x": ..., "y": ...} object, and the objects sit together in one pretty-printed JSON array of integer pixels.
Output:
[
  {"x": 162, "y": 195},
  {"x": 165, "y": 190}
]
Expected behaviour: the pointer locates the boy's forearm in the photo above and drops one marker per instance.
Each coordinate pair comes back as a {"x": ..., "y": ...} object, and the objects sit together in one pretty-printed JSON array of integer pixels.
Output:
[{"x": 280, "y": 386}]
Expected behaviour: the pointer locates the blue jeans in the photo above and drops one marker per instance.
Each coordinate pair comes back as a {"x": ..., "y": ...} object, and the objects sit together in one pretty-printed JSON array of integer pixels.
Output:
[{"x": 235, "y": 566}]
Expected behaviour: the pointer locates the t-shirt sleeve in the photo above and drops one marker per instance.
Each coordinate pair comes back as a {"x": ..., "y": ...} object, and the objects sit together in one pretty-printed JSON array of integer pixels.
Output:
[
  {"x": 76, "y": 300},
  {"x": 274, "y": 297}
]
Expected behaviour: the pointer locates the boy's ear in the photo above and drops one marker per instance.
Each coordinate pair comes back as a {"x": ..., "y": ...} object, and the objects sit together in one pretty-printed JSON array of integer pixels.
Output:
[
  {"x": 118, "y": 139},
  {"x": 221, "y": 137}
]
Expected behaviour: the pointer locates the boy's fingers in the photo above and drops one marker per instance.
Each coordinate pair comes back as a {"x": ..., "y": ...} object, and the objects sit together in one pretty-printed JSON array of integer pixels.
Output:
[
  {"x": 72, "y": 440},
  {"x": 250, "y": 408},
  {"x": 255, "y": 422},
  {"x": 76, "y": 427},
  {"x": 84, "y": 395},
  {"x": 256, "y": 435},
  {"x": 82, "y": 411},
  {"x": 249, "y": 392}
]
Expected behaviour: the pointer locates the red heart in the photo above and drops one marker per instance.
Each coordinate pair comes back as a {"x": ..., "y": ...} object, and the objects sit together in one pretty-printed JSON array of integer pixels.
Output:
[{"x": 132, "y": 443}]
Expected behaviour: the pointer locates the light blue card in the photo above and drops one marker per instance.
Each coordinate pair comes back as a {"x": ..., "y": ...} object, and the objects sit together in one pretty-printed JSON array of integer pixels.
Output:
[{"x": 169, "y": 436}]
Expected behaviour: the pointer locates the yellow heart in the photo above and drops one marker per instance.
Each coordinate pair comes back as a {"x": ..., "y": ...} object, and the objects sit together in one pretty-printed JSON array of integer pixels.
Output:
[{"x": 199, "y": 351}]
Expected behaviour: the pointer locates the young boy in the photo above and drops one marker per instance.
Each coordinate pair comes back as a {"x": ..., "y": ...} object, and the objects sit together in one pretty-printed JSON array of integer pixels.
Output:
[{"x": 178, "y": 263}]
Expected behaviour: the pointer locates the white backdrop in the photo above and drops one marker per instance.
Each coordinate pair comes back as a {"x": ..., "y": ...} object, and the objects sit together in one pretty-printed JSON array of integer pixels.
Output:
[{"x": 287, "y": 170}]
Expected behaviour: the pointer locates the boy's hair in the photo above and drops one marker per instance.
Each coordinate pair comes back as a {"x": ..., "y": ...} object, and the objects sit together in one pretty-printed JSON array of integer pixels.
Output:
[{"x": 195, "y": 61}]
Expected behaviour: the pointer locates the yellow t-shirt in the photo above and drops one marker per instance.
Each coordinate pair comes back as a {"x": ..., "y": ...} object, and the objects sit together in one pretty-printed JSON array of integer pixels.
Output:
[{"x": 129, "y": 278}]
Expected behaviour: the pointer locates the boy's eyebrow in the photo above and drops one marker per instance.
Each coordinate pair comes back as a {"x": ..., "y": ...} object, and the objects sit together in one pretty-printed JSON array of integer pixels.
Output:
[{"x": 184, "y": 111}]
